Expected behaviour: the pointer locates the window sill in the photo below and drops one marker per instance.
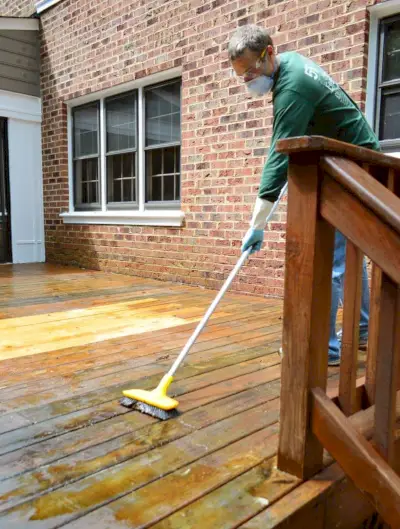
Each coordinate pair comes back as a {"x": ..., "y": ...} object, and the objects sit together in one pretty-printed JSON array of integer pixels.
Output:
[{"x": 172, "y": 218}]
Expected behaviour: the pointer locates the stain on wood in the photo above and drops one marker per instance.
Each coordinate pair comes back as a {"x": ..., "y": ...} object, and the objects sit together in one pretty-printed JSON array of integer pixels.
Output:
[{"x": 70, "y": 455}]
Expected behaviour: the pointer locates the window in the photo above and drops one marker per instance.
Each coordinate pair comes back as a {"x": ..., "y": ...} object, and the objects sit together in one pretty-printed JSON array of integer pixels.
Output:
[
  {"x": 121, "y": 167},
  {"x": 86, "y": 157},
  {"x": 126, "y": 152},
  {"x": 387, "y": 119},
  {"x": 163, "y": 143}
]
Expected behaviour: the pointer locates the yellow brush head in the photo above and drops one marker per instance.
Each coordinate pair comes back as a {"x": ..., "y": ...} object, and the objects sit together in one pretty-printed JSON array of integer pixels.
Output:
[
  {"x": 152, "y": 398},
  {"x": 157, "y": 397}
]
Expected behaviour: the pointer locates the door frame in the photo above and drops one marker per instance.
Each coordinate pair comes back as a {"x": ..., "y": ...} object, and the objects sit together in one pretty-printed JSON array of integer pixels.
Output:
[{"x": 5, "y": 191}]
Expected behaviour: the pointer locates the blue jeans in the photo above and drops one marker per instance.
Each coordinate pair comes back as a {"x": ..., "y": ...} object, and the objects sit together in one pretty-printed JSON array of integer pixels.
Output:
[{"x": 339, "y": 260}]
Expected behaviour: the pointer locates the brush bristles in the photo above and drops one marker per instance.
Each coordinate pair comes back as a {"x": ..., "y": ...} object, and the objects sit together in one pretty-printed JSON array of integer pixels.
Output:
[
  {"x": 158, "y": 413},
  {"x": 127, "y": 402}
]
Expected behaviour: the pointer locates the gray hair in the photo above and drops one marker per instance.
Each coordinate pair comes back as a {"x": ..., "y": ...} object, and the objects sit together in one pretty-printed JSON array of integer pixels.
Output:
[{"x": 249, "y": 37}]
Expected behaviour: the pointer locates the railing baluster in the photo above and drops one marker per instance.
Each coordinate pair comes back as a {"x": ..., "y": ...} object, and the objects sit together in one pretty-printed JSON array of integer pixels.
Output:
[
  {"x": 387, "y": 368},
  {"x": 373, "y": 332},
  {"x": 375, "y": 300},
  {"x": 350, "y": 335}
]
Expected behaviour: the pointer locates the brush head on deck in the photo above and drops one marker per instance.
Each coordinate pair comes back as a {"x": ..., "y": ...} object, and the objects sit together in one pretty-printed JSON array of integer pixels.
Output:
[{"x": 158, "y": 413}]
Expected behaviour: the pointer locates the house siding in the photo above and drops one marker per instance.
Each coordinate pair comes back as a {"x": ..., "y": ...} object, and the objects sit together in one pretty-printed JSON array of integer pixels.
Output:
[
  {"x": 225, "y": 133},
  {"x": 20, "y": 62}
]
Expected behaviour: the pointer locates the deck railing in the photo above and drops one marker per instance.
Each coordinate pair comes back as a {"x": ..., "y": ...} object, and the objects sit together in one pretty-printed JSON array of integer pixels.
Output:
[{"x": 333, "y": 185}]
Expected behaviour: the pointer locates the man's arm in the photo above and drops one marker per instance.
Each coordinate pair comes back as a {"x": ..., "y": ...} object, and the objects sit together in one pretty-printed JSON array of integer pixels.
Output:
[{"x": 291, "y": 118}]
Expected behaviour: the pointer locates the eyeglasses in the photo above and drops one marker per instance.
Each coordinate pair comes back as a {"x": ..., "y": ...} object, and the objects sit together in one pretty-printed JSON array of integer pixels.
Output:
[{"x": 250, "y": 74}]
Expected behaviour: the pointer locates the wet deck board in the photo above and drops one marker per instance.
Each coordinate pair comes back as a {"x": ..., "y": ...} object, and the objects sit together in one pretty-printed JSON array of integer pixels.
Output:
[{"x": 71, "y": 456}]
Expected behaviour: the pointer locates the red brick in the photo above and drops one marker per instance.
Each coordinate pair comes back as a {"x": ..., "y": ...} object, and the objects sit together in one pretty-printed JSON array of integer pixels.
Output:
[
  {"x": 225, "y": 133},
  {"x": 17, "y": 8}
]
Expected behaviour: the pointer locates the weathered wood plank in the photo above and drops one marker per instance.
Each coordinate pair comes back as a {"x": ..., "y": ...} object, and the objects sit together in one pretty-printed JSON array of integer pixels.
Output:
[
  {"x": 254, "y": 339},
  {"x": 78, "y": 464},
  {"x": 234, "y": 503},
  {"x": 45, "y": 451},
  {"x": 98, "y": 385},
  {"x": 245, "y": 436},
  {"x": 94, "y": 358},
  {"x": 167, "y": 337},
  {"x": 31, "y": 434},
  {"x": 130, "y": 437},
  {"x": 157, "y": 500}
]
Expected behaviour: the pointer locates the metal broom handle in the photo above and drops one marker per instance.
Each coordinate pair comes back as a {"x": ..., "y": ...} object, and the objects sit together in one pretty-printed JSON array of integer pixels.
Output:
[{"x": 219, "y": 296}]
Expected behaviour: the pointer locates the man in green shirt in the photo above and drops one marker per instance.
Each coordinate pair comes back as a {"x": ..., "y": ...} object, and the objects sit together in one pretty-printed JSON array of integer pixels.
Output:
[{"x": 306, "y": 101}]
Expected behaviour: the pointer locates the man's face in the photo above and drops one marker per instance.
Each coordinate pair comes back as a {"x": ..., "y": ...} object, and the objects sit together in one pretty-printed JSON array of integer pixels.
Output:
[{"x": 251, "y": 65}]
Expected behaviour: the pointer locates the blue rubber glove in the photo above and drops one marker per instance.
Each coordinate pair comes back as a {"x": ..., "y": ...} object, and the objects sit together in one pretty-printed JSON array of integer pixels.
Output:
[{"x": 254, "y": 239}]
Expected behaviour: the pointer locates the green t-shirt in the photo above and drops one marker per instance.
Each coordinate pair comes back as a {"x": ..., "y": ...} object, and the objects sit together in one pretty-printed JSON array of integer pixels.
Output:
[{"x": 307, "y": 101}]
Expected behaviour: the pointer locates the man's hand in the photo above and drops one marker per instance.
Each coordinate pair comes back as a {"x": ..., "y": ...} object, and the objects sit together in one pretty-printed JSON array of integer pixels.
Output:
[
  {"x": 253, "y": 239},
  {"x": 255, "y": 235}
]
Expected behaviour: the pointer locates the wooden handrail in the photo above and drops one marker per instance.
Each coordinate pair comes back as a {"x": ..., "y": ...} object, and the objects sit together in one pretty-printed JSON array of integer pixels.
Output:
[
  {"x": 373, "y": 194},
  {"x": 362, "y": 226},
  {"x": 338, "y": 148},
  {"x": 328, "y": 191}
]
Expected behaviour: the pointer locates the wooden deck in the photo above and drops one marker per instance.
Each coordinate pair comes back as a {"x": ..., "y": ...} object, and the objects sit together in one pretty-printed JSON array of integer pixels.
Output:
[{"x": 71, "y": 456}]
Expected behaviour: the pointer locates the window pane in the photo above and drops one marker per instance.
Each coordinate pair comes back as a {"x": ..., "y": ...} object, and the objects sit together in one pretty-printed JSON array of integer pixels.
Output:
[
  {"x": 391, "y": 52},
  {"x": 155, "y": 191},
  {"x": 121, "y": 123},
  {"x": 169, "y": 160},
  {"x": 85, "y": 194},
  {"x": 176, "y": 127},
  {"x": 177, "y": 187},
  {"x": 162, "y": 174},
  {"x": 86, "y": 127},
  {"x": 152, "y": 104},
  {"x": 163, "y": 134},
  {"x": 163, "y": 114},
  {"x": 86, "y": 181},
  {"x": 127, "y": 190},
  {"x": 169, "y": 187},
  {"x": 121, "y": 177},
  {"x": 92, "y": 192},
  {"x": 117, "y": 191},
  {"x": 155, "y": 161},
  {"x": 390, "y": 116}
]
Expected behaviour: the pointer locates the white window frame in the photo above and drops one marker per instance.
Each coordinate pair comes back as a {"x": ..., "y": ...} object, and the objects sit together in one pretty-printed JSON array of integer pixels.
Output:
[
  {"x": 377, "y": 13},
  {"x": 42, "y": 5},
  {"x": 141, "y": 216}
]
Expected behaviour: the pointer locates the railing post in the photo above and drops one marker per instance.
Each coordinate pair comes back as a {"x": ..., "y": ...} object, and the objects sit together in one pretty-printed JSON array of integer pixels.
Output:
[{"x": 308, "y": 279}]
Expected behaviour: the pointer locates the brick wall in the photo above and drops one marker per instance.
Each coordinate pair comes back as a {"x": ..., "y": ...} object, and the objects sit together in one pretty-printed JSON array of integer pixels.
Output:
[
  {"x": 17, "y": 8},
  {"x": 225, "y": 134}
]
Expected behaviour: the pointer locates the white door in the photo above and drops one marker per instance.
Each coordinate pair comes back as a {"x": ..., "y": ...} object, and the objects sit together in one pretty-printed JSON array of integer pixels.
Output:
[
  {"x": 25, "y": 176},
  {"x": 26, "y": 191}
]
